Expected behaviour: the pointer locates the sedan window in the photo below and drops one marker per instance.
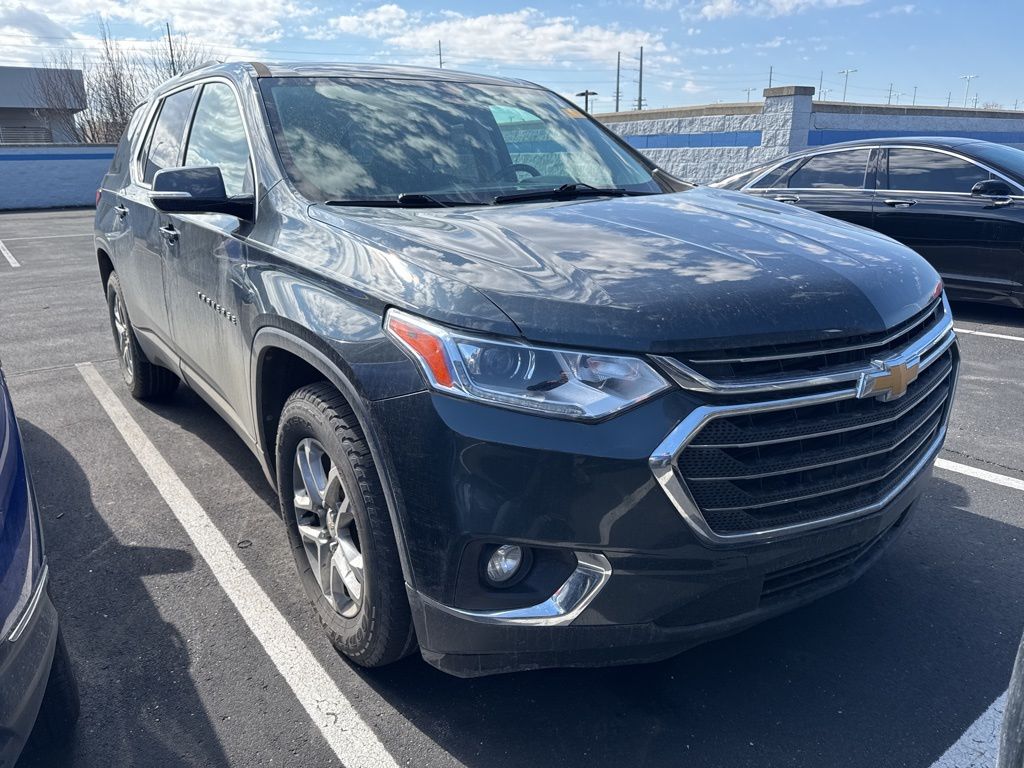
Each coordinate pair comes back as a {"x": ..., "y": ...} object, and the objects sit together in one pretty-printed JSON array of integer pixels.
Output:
[
  {"x": 921, "y": 170},
  {"x": 774, "y": 177},
  {"x": 833, "y": 170}
]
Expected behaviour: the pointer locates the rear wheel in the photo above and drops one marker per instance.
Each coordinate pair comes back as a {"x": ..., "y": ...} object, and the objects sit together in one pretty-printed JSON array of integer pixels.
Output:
[
  {"x": 339, "y": 528},
  {"x": 145, "y": 380}
]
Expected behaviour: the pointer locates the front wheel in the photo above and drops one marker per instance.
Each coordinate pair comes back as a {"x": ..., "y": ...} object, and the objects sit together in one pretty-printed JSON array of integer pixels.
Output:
[{"x": 339, "y": 528}]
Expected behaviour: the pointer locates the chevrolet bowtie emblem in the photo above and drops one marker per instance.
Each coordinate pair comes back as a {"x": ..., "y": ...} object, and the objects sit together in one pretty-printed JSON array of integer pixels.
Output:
[{"x": 890, "y": 380}]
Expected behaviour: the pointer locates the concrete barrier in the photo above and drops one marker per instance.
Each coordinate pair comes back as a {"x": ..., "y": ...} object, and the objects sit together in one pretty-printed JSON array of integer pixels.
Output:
[
  {"x": 707, "y": 143},
  {"x": 51, "y": 175}
]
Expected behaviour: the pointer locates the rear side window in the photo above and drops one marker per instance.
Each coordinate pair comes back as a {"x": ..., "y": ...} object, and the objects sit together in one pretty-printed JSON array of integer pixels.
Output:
[
  {"x": 218, "y": 138},
  {"x": 164, "y": 144},
  {"x": 920, "y": 170},
  {"x": 833, "y": 170}
]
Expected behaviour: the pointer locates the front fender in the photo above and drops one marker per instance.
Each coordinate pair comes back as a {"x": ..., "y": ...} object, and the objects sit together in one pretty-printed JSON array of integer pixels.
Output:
[{"x": 322, "y": 355}]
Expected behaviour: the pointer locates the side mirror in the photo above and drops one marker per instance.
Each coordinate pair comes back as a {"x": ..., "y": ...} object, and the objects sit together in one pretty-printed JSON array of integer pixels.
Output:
[
  {"x": 197, "y": 190},
  {"x": 991, "y": 188}
]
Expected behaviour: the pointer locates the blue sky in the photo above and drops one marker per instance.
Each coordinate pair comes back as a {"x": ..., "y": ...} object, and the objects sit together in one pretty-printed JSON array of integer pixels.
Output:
[{"x": 695, "y": 51}]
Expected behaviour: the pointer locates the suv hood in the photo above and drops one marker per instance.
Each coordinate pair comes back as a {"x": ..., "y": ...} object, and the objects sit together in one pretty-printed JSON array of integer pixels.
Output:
[{"x": 699, "y": 269}]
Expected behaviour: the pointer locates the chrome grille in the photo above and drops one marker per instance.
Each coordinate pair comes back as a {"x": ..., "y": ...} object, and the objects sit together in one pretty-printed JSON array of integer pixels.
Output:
[
  {"x": 779, "y": 467},
  {"x": 746, "y": 470},
  {"x": 813, "y": 357}
]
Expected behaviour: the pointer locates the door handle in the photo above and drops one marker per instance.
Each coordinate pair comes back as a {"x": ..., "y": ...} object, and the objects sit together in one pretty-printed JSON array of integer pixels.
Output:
[
  {"x": 170, "y": 234},
  {"x": 1001, "y": 202},
  {"x": 787, "y": 198},
  {"x": 900, "y": 203},
  {"x": 121, "y": 211}
]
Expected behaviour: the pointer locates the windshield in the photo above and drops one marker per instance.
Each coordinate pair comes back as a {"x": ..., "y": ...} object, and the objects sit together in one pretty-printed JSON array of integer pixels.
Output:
[{"x": 354, "y": 139}]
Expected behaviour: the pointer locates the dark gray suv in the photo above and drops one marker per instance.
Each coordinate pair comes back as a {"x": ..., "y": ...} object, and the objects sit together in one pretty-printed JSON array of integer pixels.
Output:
[{"x": 527, "y": 400}]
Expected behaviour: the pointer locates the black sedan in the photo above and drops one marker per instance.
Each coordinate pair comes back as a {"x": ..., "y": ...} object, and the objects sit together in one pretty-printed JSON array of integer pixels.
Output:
[{"x": 957, "y": 202}]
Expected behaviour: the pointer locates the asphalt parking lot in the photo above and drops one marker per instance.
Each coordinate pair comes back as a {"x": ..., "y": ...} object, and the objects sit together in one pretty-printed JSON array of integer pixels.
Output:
[{"x": 195, "y": 647}]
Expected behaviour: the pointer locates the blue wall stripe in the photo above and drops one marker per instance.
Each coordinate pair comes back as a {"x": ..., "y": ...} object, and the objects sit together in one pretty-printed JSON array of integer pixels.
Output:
[
  {"x": 822, "y": 137},
  {"x": 54, "y": 156},
  {"x": 693, "y": 140}
]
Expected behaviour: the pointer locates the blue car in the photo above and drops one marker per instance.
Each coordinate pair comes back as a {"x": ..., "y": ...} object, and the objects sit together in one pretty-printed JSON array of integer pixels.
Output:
[{"x": 37, "y": 687}]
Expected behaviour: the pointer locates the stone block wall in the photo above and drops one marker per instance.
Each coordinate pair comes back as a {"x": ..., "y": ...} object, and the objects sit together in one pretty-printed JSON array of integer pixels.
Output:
[{"x": 52, "y": 175}]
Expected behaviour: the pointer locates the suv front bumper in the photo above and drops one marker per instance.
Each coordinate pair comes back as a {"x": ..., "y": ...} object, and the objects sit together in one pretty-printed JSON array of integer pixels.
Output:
[{"x": 646, "y": 585}]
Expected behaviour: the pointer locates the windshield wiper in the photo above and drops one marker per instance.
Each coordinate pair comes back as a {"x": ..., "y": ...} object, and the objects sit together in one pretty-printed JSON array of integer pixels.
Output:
[
  {"x": 564, "y": 192},
  {"x": 404, "y": 200}
]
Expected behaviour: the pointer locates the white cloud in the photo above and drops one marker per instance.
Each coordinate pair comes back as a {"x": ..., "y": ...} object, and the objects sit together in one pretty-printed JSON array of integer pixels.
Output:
[
  {"x": 897, "y": 10},
  {"x": 527, "y": 35},
  {"x": 228, "y": 27},
  {"x": 721, "y": 9}
]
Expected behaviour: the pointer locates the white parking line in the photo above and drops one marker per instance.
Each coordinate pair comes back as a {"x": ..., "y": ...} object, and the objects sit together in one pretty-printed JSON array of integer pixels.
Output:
[
  {"x": 352, "y": 740},
  {"x": 48, "y": 237},
  {"x": 8, "y": 255},
  {"x": 969, "y": 332},
  {"x": 979, "y": 746},
  {"x": 981, "y": 474}
]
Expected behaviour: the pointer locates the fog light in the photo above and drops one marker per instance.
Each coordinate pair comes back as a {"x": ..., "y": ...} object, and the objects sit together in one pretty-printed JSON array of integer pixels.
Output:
[{"x": 504, "y": 563}]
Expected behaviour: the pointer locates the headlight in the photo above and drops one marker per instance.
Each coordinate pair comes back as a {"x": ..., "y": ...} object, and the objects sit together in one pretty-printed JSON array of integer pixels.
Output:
[{"x": 518, "y": 375}]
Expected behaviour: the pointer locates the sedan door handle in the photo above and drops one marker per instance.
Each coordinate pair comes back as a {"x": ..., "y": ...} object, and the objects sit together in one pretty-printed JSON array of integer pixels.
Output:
[
  {"x": 900, "y": 203},
  {"x": 121, "y": 211},
  {"x": 787, "y": 198},
  {"x": 170, "y": 234}
]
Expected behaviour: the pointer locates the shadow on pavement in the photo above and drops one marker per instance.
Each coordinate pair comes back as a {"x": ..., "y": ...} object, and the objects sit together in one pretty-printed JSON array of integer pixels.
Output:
[
  {"x": 138, "y": 690},
  {"x": 986, "y": 314},
  {"x": 887, "y": 672},
  {"x": 185, "y": 409}
]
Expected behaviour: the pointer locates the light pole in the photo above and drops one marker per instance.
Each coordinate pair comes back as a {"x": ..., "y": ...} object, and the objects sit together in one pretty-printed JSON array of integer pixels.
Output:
[
  {"x": 846, "y": 81},
  {"x": 586, "y": 98},
  {"x": 967, "y": 86}
]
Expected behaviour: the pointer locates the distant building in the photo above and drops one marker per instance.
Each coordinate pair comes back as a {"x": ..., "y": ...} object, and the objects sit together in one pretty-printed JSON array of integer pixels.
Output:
[{"x": 37, "y": 106}]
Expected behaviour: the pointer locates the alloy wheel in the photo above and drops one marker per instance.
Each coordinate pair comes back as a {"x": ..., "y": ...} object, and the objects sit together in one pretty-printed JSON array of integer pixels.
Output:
[
  {"x": 124, "y": 340},
  {"x": 327, "y": 527}
]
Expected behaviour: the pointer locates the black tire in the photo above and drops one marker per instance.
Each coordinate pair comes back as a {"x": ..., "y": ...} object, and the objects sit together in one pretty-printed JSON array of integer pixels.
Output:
[
  {"x": 377, "y": 629},
  {"x": 59, "y": 711},
  {"x": 145, "y": 380}
]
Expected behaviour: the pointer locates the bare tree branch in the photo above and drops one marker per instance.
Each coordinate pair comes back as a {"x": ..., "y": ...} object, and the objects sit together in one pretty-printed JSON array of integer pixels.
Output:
[{"x": 115, "y": 81}]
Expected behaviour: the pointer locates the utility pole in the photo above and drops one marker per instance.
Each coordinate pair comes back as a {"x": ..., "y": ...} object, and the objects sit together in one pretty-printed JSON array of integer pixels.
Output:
[
  {"x": 749, "y": 91},
  {"x": 975, "y": 101},
  {"x": 586, "y": 98},
  {"x": 440, "y": 61},
  {"x": 1015, "y": 102},
  {"x": 967, "y": 87},
  {"x": 914, "y": 102},
  {"x": 890, "y": 94},
  {"x": 949, "y": 99},
  {"x": 618, "y": 75},
  {"x": 170, "y": 48},
  {"x": 640, "y": 91},
  {"x": 771, "y": 73},
  {"x": 821, "y": 83},
  {"x": 846, "y": 81}
]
